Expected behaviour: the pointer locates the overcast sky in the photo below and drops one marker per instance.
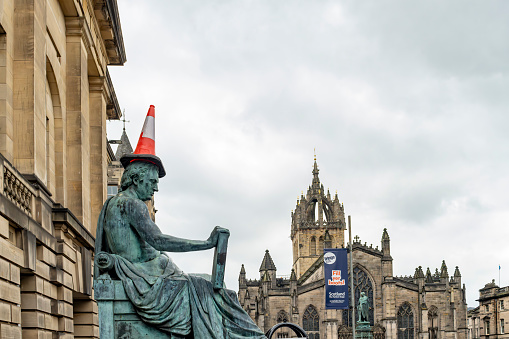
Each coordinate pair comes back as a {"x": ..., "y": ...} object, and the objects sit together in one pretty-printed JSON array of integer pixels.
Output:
[{"x": 406, "y": 103}]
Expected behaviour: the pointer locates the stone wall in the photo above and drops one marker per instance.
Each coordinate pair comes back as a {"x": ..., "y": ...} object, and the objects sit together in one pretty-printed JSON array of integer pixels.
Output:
[{"x": 55, "y": 97}]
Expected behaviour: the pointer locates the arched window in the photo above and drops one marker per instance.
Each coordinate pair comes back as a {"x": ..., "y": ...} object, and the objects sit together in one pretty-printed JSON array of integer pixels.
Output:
[
  {"x": 327, "y": 240},
  {"x": 433, "y": 322},
  {"x": 405, "y": 322},
  {"x": 282, "y": 317},
  {"x": 362, "y": 283},
  {"x": 311, "y": 322},
  {"x": 320, "y": 245},
  {"x": 312, "y": 246}
]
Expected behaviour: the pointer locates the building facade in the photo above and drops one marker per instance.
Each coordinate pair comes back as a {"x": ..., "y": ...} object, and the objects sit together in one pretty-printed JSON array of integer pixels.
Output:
[
  {"x": 55, "y": 98},
  {"x": 491, "y": 318},
  {"x": 422, "y": 305}
]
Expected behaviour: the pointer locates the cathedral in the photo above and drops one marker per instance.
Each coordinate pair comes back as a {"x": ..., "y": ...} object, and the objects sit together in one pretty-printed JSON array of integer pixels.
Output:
[{"x": 422, "y": 305}]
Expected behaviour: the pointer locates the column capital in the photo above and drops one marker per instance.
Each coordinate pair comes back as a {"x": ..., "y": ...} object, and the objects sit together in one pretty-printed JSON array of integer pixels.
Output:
[{"x": 77, "y": 26}]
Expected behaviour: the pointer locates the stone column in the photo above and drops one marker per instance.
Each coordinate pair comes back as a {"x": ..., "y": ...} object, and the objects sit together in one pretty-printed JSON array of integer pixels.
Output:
[
  {"x": 98, "y": 156},
  {"x": 6, "y": 81},
  {"x": 424, "y": 333},
  {"x": 77, "y": 121},
  {"x": 389, "y": 308},
  {"x": 29, "y": 81}
]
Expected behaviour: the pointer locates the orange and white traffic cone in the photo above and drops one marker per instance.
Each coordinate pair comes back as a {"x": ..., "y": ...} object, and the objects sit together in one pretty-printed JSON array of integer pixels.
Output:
[
  {"x": 146, "y": 150},
  {"x": 147, "y": 141}
]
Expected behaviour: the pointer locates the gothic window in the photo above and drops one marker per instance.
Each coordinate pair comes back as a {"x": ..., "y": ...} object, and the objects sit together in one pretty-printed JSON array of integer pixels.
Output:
[
  {"x": 362, "y": 283},
  {"x": 320, "y": 245},
  {"x": 310, "y": 322},
  {"x": 433, "y": 322},
  {"x": 328, "y": 242},
  {"x": 312, "y": 246},
  {"x": 405, "y": 322},
  {"x": 282, "y": 317}
]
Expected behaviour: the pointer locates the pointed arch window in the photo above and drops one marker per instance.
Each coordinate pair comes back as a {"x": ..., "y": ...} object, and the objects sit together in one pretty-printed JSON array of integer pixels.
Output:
[
  {"x": 311, "y": 322},
  {"x": 362, "y": 283},
  {"x": 433, "y": 322},
  {"x": 405, "y": 322},
  {"x": 320, "y": 245},
  {"x": 327, "y": 243},
  {"x": 282, "y": 317},
  {"x": 312, "y": 246}
]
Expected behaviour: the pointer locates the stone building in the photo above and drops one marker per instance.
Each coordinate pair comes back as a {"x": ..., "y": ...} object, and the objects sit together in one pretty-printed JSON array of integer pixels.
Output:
[
  {"x": 421, "y": 305},
  {"x": 56, "y": 95},
  {"x": 490, "y": 318}
]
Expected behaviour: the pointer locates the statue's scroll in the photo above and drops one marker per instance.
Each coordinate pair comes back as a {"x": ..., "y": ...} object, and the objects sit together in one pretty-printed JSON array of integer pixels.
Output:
[{"x": 219, "y": 262}]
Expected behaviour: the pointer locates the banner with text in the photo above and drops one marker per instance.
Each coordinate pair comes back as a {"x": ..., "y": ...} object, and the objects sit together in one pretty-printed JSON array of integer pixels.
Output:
[{"x": 335, "y": 266}]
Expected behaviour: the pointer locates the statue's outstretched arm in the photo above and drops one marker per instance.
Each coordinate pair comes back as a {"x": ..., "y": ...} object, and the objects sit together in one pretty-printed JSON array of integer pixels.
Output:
[{"x": 149, "y": 231}]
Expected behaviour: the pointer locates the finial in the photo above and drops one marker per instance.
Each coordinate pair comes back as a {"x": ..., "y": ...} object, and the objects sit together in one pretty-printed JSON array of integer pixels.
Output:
[
  {"x": 314, "y": 150},
  {"x": 124, "y": 120}
]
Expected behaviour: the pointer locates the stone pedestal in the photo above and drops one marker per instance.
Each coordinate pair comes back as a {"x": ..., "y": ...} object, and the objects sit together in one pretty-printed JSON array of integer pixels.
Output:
[
  {"x": 363, "y": 330},
  {"x": 117, "y": 316}
]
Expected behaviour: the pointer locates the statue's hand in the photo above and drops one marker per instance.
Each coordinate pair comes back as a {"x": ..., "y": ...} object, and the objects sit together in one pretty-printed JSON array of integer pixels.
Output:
[{"x": 214, "y": 236}]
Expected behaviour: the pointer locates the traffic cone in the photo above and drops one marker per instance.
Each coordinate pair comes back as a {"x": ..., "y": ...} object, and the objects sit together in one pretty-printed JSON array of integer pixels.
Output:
[
  {"x": 146, "y": 150},
  {"x": 147, "y": 141}
]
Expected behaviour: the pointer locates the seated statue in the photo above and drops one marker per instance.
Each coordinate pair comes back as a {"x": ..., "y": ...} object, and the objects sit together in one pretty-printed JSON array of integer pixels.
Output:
[{"x": 182, "y": 305}]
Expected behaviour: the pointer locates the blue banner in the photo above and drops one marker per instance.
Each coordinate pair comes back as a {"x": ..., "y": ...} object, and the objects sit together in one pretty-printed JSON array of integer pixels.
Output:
[{"x": 335, "y": 266}]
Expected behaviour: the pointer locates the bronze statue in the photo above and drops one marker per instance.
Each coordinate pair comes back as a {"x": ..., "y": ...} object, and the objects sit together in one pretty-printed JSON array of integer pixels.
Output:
[
  {"x": 182, "y": 305},
  {"x": 363, "y": 308}
]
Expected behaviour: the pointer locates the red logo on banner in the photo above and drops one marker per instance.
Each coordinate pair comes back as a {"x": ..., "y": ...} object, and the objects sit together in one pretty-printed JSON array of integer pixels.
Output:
[{"x": 336, "y": 278}]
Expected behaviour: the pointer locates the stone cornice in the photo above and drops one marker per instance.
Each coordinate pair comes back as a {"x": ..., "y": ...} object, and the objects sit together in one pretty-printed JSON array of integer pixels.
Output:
[
  {"x": 113, "y": 111},
  {"x": 97, "y": 84},
  {"x": 64, "y": 219}
]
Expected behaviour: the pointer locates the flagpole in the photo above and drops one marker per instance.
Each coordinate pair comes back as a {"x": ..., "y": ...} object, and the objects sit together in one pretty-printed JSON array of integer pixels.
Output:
[
  {"x": 352, "y": 288},
  {"x": 499, "y": 276}
]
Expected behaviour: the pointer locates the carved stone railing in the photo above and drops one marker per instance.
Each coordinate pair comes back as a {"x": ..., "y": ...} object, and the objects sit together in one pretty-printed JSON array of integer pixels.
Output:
[{"x": 17, "y": 191}]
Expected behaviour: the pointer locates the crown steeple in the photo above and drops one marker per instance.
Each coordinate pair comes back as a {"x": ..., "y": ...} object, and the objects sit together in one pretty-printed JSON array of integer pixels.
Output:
[
  {"x": 316, "y": 181},
  {"x": 319, "y": 218}
]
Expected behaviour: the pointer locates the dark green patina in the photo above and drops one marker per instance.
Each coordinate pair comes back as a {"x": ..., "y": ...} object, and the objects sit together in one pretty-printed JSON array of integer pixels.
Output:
[
  {"x": 131, "y": 267},
  {"x": 363, "y": 328}
]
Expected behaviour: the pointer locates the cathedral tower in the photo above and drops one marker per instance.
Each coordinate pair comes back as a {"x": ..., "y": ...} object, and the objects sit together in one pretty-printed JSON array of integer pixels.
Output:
[{"x": 317, "y": 223}]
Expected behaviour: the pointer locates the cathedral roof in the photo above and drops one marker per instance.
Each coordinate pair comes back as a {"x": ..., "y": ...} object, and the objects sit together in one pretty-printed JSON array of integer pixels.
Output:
[
  {"x": 124, "y": 147},
  {"x": 267, "y": 263}
]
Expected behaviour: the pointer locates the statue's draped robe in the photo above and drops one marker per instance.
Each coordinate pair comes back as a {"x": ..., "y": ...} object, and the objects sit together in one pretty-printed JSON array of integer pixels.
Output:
[{"x": 175, "y": 302}]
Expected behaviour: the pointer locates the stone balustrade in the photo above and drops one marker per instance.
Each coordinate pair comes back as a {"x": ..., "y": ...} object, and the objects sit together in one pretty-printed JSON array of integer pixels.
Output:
[{"x": 15, "y": 187}]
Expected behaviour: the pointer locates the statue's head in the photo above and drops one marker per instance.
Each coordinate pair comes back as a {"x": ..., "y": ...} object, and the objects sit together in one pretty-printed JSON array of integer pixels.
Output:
[
  {"x": 143, "y": 177},
  {"x": 363, "y": 294}
]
